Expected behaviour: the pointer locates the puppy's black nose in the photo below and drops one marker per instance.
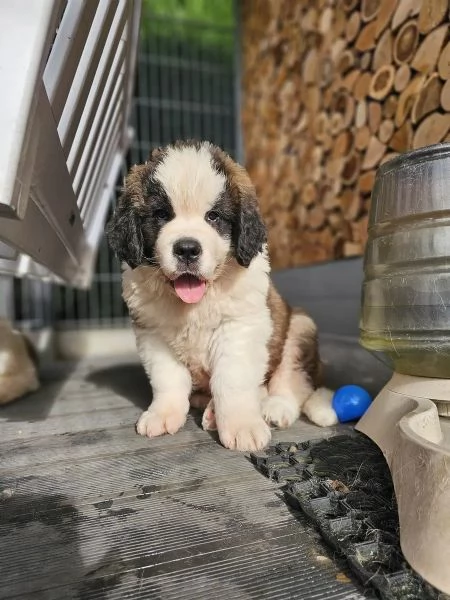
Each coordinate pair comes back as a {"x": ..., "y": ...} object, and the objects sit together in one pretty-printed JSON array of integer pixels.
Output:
[{"x": 187, "y": 249}]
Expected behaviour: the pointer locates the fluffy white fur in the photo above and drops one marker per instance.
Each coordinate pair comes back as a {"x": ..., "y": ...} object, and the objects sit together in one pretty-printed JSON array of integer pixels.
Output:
[{"x": 226, "y": 335}]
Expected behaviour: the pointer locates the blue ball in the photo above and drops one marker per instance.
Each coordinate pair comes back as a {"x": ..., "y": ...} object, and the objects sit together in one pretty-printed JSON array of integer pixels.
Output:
[{"x": 350, "y": 402}]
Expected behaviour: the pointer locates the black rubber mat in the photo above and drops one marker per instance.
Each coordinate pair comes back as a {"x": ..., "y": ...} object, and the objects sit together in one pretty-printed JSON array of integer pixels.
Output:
[{"x": 344, "y": 486}]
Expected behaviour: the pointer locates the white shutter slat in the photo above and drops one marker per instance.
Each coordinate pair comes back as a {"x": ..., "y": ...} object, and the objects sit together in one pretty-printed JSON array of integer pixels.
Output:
[
  {"x": 106, "y": 76},
  {"x": 103, "y": 147},
  {"x": 66, "y": 52},
  {"x": 70, "y": 67},
  {"x": 92, "y": 148}
]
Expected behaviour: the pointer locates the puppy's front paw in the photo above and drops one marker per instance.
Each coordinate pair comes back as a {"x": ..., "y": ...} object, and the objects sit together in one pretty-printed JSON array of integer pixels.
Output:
[
  {"x": 159, "y": 420},
  {"x": 244, "y": 433},
  {"x": 280, "y": 411}
]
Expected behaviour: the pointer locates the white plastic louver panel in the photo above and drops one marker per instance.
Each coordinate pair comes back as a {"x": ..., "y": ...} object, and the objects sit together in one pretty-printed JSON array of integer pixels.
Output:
[{"x": 68, "y": 68}]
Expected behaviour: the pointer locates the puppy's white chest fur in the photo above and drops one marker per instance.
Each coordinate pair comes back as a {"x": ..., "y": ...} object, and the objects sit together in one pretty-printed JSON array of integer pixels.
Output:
[{"x": 196, "y": 333}]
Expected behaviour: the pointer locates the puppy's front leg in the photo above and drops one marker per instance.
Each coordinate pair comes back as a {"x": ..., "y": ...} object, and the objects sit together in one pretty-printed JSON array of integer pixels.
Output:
[
  {"x": 171, "y": 384},
  {"x": 238, "y": 370}
]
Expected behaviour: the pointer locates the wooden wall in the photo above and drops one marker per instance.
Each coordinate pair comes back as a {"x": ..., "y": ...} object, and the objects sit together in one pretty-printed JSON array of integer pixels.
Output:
[{"x": 331, "y": 89}]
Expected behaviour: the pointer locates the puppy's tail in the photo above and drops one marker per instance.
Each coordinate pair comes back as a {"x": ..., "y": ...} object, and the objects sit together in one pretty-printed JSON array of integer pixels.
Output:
[{"x": 318, "y": 408}]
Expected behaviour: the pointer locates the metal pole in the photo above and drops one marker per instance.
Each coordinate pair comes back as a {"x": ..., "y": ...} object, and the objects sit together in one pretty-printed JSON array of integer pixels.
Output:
[{"x": 238, "y": 80}]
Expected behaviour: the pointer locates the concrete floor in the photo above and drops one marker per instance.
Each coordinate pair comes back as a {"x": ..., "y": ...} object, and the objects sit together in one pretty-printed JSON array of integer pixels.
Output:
[{"x": 90, "y": 510}]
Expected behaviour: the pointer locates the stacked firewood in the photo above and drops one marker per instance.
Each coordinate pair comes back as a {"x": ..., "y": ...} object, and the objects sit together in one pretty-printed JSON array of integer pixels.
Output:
[{"x": 331, "y": 90}]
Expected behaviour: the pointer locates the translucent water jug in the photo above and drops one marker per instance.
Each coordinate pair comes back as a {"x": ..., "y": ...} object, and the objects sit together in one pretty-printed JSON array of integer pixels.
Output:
[{"x": 405, "y": 313}]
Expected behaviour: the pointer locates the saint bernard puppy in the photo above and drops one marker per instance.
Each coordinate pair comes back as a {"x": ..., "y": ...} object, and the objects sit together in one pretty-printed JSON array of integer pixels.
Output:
[{"x": 211, "y": 329}]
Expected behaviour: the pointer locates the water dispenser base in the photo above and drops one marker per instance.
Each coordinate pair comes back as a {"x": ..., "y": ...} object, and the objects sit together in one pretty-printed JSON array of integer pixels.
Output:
[{"x": 405, "y": 424}]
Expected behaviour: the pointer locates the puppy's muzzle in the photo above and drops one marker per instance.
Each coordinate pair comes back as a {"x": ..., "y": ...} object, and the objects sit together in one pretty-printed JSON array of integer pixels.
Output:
[{"x": 187, "y": 250}]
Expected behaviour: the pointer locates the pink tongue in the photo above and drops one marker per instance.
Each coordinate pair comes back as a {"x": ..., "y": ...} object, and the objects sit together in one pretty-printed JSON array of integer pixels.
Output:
[{"x": 189, "y": 289}]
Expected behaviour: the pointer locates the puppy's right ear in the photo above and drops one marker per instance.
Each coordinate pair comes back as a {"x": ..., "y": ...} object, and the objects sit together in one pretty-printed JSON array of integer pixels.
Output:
[{"x": 124, "y": 233}]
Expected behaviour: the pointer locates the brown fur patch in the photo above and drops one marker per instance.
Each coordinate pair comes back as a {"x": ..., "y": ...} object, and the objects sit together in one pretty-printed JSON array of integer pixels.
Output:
[
  {"x": 200, "y": 379},
  {"x": 139, "y": 175},
  {"x": 280, "y": 314},
  {"x": 309, "y": 358},
  {"x": 239, "y": 183}
]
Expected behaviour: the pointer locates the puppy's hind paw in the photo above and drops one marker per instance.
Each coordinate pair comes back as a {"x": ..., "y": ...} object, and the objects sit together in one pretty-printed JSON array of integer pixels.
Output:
[
  {"x": 209, "y": 418},
  {"x": 319, "y": 410}
]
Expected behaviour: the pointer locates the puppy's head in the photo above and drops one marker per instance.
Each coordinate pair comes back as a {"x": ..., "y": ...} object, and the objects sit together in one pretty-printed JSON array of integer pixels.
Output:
[{"x": 186, "y": 212}]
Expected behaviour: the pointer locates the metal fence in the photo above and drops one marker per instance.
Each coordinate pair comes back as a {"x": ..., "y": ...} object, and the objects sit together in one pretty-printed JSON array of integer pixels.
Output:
[{"x": 185, "y": 88}]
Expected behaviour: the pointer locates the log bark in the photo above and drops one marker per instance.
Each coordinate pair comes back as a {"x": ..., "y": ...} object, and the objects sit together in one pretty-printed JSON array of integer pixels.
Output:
[
  {"x": 383, "y": 52},
  {"x": 366, "y": 38},
  {"x": 382, "y": 82},
  {"x": 353, "y": 27},
  {"x": 407, "y": 99},
  {"x": 406, "y": 42},
  {"x": 402, "y": 78},
  {"x": 366, "y": 181},
  {"x": 387, "y": 8},
  {"x": 431, "y": 130},
  {"x": 362, "y": 138},
  {"x": 374, "y": 153},
  {"x": 386, "y": 130},
  {"x": 362, "y": 86},
  {"x": 445, "y": 96},
  {"x": 402, "y": 138},
  {"x": 361, "y": 114},
  {"x": 427, "y": 55},
  {"x": 369, "y": 9},
  {"x": 428, "y": 99},
  {"x": 405, "y": 10},
  {"x": 432, "y": 13},
  {"x": 351, "y": 169},
  {"x": 374, "y": 116},
  {"x": 444, "y": 63}
]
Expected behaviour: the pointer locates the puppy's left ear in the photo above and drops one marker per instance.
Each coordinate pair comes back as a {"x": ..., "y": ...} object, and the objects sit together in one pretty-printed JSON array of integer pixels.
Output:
[
  {"x": 124, "y": 233},
  {"x": 250, "y": 232}
]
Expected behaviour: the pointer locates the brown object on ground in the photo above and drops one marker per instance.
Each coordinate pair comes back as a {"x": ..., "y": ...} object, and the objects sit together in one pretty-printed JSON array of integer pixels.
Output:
[
  {"x": 18, "y": 369},
  {"x": 332, "y": 90}
]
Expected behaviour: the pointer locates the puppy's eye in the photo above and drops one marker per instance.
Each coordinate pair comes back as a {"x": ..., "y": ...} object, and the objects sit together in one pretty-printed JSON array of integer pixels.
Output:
[
  {"x": 213, "y": 216},
  {"x": 161, "y": 214}
]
